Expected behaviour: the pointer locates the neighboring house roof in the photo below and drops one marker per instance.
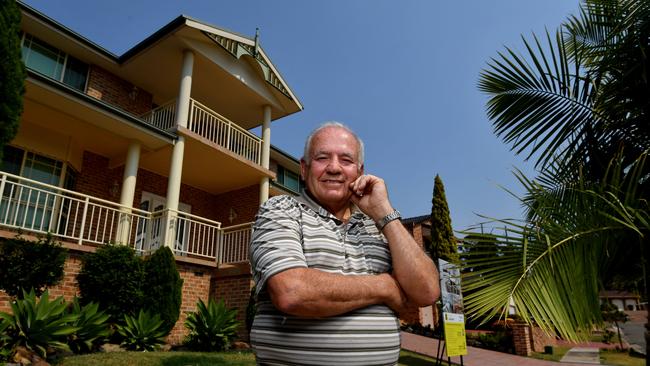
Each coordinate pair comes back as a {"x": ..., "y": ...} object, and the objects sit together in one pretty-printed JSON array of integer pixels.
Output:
[{"x": 416, "y": 219}]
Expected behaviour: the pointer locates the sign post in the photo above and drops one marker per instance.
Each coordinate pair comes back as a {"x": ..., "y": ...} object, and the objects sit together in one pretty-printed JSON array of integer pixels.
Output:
[{"x": 453, "y": 318}]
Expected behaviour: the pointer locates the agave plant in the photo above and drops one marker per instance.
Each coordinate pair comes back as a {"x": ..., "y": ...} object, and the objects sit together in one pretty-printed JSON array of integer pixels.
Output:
[
  {"x": 38, "y": 324},
  {"x": 143, "y": 333},
  {"x": 6, "y": 346},
  {"x": 92, "y": 324},
  {"x": 212, "y": 327}
]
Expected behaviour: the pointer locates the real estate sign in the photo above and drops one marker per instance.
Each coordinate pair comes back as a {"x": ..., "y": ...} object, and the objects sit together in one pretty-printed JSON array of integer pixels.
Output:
[{"x": 453, "y": 318}]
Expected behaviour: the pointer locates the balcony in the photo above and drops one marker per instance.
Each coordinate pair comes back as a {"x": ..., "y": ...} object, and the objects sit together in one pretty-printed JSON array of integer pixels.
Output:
[
  {"x": 70, "y": 216},
  {"x": 210, "y": 125}
]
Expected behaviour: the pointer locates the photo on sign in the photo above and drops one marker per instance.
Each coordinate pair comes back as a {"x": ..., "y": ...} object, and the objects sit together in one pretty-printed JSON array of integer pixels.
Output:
[{"x": 451, "y": 295}]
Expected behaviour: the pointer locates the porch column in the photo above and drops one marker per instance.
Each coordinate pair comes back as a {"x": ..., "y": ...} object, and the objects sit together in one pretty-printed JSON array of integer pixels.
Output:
[
  {"x": 185, "y": 89},
  {"x": 265, "y": 153},
  {"x": 128, "y": 190},
  {"x": 176, "y": 165}
]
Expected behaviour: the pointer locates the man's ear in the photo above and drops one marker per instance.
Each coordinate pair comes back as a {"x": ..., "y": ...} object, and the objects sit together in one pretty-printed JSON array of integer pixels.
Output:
[
  {"x": 361, "y": 170},
  {"x": 303, "y": 169}
]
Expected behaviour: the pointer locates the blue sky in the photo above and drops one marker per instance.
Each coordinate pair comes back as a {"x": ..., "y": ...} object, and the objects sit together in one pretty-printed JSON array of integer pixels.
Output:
[{"x": 402, "y": 74}]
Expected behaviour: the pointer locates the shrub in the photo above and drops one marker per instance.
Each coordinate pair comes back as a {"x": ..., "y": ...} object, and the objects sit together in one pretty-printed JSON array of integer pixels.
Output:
[
  {"x": 112, "y": 277},
  {"x": 211, "y": 327},
  {"x": 163, "y": 287},
  {"x": 26, "y": 264},
  {"x": 12, "y": 72},
  {"x": 92, "y": 327},
  {"x": 143, "y": 333},
  {"x": 38, "y": 324}
]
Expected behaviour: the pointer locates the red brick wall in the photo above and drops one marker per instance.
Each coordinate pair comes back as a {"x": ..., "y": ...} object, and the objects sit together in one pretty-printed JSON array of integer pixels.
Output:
[
  {"x": 196, "y": 285},
  {"x": 521, "y": 337},
  {"x": 235, "y": 291},
  {"x": 96, "y": 179},
  {"x": 245, "y": 202},
  {"x": 118, "y": 92}
]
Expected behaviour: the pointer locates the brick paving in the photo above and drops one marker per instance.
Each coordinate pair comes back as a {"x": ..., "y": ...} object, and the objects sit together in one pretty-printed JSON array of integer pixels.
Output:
[{"x": 475, "y": 356}]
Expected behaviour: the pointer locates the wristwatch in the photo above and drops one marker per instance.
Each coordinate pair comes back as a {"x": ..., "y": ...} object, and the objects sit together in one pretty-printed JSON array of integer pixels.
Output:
[{"x": 388, "y": 218}]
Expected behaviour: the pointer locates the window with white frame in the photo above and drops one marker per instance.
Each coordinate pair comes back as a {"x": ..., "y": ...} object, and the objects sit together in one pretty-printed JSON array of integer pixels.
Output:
[
  {"x": 54, "y": 63},
  {"x": 30, "y": 205}
]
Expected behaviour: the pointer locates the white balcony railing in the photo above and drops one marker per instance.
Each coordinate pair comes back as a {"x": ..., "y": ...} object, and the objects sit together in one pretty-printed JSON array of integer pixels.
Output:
[
  {"x": 231, "y": 249},
  {"x": 210, "y": 125},
  {"x": 163, "y": 117},
  {"x": 32, "y": 206},
  {"x": 218, "y": 129}
]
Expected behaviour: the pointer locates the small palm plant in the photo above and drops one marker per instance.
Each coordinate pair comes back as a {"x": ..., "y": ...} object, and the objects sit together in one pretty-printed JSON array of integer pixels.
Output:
[
  {"x": 143, "y": 333},
  {"x": 212, "y": 327},
  {"x": 37, "y": 324},
  {"x": 92, "y": 324}
]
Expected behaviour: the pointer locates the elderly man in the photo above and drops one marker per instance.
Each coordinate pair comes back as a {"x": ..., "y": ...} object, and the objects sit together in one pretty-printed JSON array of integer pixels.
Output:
[{"x": 334, "y": 266}]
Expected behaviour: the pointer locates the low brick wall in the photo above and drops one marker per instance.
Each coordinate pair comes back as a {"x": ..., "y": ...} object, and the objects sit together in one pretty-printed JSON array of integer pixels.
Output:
[{"x": 201, "y": 279}]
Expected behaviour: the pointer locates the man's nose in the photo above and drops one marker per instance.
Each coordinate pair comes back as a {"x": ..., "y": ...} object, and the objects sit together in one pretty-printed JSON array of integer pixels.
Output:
[{"x": 334, "y": 166}]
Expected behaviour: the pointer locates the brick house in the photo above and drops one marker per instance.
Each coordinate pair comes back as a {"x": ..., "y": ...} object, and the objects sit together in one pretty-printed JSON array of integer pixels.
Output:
[
  {"x": 420, "y": 228},
  {"x": 150, "y": 148}
]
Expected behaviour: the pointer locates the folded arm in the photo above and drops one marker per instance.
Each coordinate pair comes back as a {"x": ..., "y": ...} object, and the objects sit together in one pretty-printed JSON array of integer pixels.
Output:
[{"x": 311, "y": 292}]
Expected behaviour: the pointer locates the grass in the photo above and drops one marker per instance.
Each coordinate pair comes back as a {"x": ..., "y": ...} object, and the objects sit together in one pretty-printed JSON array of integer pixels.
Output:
[
  {"x": 161, "y": 359},
  {"x": 558, "y": 353},
  {"x": 617, "y": 358},
  {"x": 407, "y": 358},
  {"x": 196, "y": 359}
]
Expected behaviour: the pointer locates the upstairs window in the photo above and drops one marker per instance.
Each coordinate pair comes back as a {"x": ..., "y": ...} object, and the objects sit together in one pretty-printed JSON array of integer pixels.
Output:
[
  {"x": 288, "y": 179},
  {"x": 50, "y": 61}
]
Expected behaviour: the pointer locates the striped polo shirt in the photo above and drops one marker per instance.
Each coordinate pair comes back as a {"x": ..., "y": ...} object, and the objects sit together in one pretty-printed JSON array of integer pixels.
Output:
[{"x": 298, "y": 233}]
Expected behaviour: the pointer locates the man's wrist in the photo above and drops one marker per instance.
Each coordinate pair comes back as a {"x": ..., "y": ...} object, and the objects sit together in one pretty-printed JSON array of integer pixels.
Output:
[{"x": 392, "y": 216}]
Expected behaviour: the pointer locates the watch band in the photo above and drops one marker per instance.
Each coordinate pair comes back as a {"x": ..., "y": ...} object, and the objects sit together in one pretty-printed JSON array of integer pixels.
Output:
[{"x": 388, "y": 218}]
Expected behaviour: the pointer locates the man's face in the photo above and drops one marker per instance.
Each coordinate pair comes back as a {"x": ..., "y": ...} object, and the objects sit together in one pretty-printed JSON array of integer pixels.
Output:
[{"x": 333, "y": 165}]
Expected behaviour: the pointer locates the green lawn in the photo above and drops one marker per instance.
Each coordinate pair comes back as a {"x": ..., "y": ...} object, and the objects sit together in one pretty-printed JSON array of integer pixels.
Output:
[
  {"x": 195, "y": 359},
  {"x": 616, "y": 358},
  {"x": 558, "y": 353}
]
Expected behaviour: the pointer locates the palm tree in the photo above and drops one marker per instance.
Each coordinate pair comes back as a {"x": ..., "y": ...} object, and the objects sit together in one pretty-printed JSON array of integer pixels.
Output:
[{"x": 576, "y": 101}]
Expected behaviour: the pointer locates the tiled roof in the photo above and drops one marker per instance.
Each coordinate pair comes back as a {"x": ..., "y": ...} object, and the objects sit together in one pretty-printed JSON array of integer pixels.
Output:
[{"x": 416, "y": 219}]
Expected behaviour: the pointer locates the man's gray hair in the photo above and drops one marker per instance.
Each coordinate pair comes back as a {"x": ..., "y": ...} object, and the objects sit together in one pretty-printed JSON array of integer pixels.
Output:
[{"x": 307, "y": 158}]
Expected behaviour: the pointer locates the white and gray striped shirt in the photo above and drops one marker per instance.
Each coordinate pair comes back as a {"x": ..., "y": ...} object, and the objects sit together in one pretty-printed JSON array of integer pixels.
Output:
[{"x": 298, "y": 233}]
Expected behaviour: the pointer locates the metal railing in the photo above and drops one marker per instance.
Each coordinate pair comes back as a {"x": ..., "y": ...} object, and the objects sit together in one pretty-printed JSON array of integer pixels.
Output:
[
  {"x": 30, "y": 205},
  {"x": 210, "y": 125},
  {"x": 218, "y": 129},
  {"x": 232, "y": 250},
  {"x": 41, "y": 208},
  {"x": 163, "y": 117}
]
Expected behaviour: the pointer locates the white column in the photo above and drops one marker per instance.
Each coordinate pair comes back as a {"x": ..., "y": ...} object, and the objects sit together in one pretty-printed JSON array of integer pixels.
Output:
[
  {"x": 174, "y": 191},
  {"x": 176, "y": 165},
  {"x": 128, "y": 190},
  {"x": 266, "y": 153},
  {"x": 184, "y": 92}
]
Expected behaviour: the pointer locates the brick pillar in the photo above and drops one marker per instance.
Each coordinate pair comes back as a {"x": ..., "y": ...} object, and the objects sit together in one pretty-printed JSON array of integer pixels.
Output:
[{"x": 521, "y": 338}]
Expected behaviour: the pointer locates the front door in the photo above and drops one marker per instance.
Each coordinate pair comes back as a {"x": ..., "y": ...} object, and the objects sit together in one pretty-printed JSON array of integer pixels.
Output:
[{"x": 151, "y": 238}]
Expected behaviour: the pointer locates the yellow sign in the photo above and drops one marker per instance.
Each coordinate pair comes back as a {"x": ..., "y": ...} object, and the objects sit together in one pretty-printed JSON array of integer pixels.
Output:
[{"x": 454, "y": 326}]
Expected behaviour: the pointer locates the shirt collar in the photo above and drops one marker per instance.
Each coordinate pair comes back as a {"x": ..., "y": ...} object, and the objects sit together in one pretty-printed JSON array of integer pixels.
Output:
[{"x": 306, "y": 199}]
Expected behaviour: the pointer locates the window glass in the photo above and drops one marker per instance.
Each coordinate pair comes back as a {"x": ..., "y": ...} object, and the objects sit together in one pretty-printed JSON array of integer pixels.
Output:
[
  {"x": 43, "y": 58},
  {"x": 291, "y": 181},
  {"x": 42, "y": 169},
  {"x": 75, "y": 73},
  {"x": 12, "y": 159}
]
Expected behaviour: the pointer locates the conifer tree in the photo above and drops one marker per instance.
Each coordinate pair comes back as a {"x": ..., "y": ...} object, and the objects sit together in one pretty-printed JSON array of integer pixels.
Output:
[
  {"x": 12, "y": 72},
  {"x": 443, "y": 242}
]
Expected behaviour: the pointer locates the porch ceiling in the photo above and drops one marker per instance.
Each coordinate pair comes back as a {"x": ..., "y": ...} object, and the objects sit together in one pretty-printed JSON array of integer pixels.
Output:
[
  {"x": 207, "y": 166},
  {"x": 91, "y": 127}
]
